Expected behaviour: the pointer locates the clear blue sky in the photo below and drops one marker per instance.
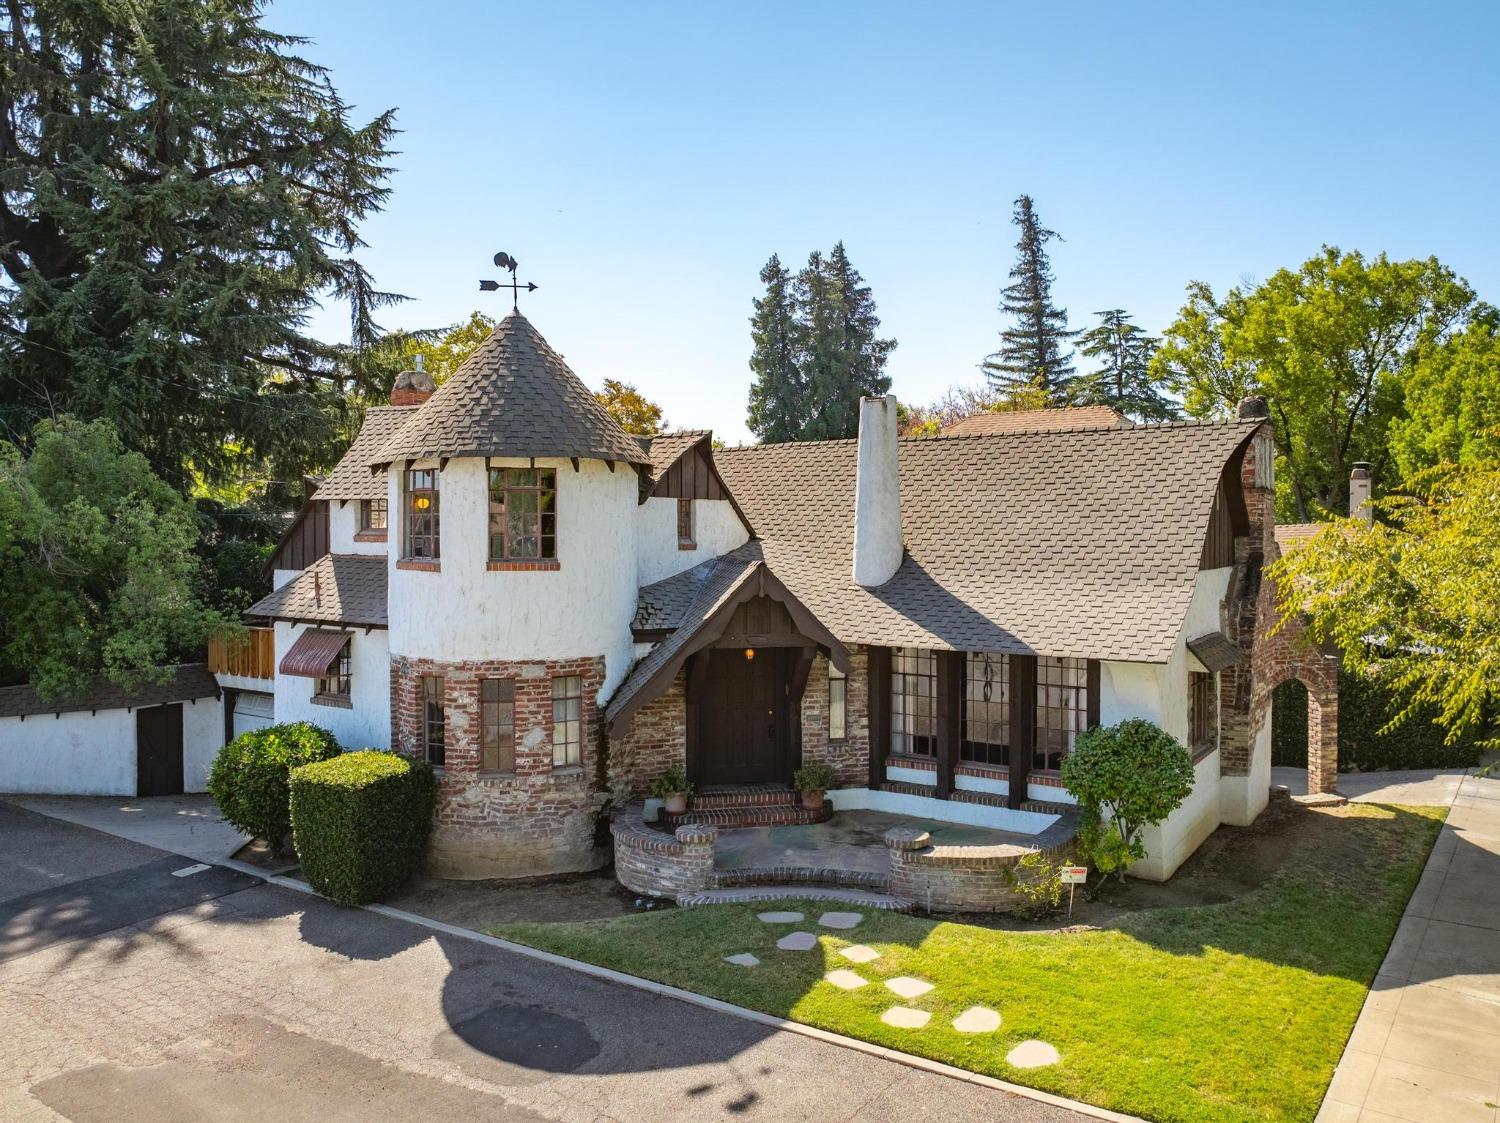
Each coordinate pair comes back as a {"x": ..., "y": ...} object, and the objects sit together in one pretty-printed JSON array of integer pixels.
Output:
[{"x": 643, "y": 160}]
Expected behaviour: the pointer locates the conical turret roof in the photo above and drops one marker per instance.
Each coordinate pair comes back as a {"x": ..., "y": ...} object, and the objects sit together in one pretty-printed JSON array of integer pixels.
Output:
[{"x": 514, "y": 396}]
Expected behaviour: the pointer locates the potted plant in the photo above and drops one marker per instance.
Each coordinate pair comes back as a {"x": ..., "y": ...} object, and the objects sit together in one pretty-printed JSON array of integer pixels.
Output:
[
  {"x": 672, "y": 788},
  {"x": 813, "y": 780}
]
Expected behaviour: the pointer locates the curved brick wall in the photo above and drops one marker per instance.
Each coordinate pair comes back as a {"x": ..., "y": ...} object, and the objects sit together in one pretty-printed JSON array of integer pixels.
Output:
[
  {"x": 659, "y": 864},
  {"x": 963, "y": 878}
]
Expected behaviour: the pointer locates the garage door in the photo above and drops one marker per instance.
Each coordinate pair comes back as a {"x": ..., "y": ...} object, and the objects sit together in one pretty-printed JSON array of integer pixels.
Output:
[{"x": 252, "y": 711}]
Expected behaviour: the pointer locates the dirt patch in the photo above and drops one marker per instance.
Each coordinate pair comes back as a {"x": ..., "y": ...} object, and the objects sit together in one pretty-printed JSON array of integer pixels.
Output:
[
  {"x": 481, "y": 904},
  {"x": 256, "y": 853}
]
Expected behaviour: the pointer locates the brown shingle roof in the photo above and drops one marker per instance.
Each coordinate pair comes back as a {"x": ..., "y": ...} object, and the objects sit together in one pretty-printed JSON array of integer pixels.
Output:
[
  {"x": 1038, "y": 421},
  {"x": 1082, "y": 543},
  {"x": 514, "y": 396},
  {"x": 188, "y": 681},
  {"x": 665, "y": 448},
  {"x": 335, "y": 589},
  {"x": 664, "y": 604},
  {"x": 1289, "y": 535},
  {"x": 1216, "y": 651},
  {"x": 351, "y": 478}
]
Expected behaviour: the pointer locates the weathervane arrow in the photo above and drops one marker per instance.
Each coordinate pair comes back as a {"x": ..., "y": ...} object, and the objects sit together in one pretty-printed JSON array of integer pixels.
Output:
[{"x": 505, "y": 261}]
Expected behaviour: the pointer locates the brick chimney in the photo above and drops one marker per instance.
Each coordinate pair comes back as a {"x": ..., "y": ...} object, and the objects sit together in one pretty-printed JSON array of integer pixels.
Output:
[
  {"x": 877, "y": 495},
  {"x": 1253, "y": 408},
  {"x": 412, "y": 387},
  {"x": 1359, "y": 493}
]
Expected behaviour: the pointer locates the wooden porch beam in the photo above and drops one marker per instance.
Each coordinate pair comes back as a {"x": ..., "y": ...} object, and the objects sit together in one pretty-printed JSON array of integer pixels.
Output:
[
  {"x": 878, "y": 702},
  {"x": 1022, "y": 725},
  {"x": 950, "y": 703}
]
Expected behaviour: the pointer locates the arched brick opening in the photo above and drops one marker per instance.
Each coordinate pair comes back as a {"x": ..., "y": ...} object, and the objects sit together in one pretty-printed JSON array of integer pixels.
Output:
[{"x": 1322, "y": 725}]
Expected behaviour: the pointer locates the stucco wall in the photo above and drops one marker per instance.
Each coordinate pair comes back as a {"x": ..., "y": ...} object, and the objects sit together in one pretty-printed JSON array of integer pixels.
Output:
[
  {"x": 343, "y": 526},
  {"x": 367, "y": 723},
  {"x": 1173, "y": 842},
  {"x": 716, "y": 529}
]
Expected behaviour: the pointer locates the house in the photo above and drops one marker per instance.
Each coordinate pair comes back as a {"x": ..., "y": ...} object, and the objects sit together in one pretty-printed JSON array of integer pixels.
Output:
[{"x": 554, "y": 612}]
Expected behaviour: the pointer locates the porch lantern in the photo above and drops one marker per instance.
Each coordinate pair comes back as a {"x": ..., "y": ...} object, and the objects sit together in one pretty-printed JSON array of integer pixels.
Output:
[{"x": 749, "y": 654}]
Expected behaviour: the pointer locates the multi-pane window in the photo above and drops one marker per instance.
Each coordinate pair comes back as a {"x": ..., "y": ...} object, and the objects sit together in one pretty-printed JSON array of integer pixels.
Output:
[
  {"x": 523, "y": 513},
  {"x": 1203, "y": 716},
  {"x": 567, "y": 720},
  {"x": 497, "y": 725},
  {"x": 421, "y": 491},
  {"x": 372, "y": 514},
  {"x": 434, "y": 724},
  {"x": 837, "y": 696},
  {"x": 986, "y": 738},
  {"x": 1062, "y": 708},
  {"x": 335, "y": 684},
  {"x": 913, "y": 701},
  {"x": 685, "y": 534}
]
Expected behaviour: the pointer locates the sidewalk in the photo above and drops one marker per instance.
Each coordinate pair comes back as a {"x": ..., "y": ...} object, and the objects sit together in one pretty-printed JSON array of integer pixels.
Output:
[
  {"x": 179, "y": 824},
  {"x": 1427, "y": 1043}
]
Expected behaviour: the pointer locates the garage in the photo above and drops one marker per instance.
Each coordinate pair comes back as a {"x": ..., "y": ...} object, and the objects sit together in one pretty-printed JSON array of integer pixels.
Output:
[{"x": 251, "y": 711}]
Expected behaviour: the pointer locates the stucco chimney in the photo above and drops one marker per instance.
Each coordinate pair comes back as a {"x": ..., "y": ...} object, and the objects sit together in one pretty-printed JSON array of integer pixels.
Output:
[
  {"x": 1359, "y": 493},
  {"x": 412, "y": 387},
  {"x": 877, "y": 495}
]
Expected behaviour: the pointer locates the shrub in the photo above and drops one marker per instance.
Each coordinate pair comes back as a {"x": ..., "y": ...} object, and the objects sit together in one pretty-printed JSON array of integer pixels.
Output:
[
  {"x": 1038, "y": 884},
  {"x": 249, "y": 779},
  {"x": 1133, "y": 774},
  {"x": 672, "y": 782},
  {"x": 361, "y": 823},
  {"x": 814, "y": 777}
]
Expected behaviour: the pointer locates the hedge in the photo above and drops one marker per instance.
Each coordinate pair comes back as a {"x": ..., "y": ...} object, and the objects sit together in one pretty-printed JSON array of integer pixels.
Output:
[
  {"x": 1364, "y": 708},
  {"x": 361, "y": 823},
  {"x": 250, "y": 776}
]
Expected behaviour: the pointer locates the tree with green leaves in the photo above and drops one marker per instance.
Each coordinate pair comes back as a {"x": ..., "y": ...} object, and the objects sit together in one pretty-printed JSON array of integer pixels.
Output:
[
  {"x": 1124, "y": 380},
  {"x": 1452, "y": 400},
  {"x": 635, "y": 412},
  {"x": 1034, "y": 353},
  {"x": 179, "y": 188},
  {"x": 1193, "y": 358},
  {"x": 778, "y": 393},
  {"x": 842, "y": 353}
]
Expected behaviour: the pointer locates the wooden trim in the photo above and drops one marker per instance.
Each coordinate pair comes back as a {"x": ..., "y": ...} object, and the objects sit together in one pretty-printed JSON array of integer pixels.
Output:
[
  {"x": 796, "y": 685},
  {"x": 696, "y": 676},
  {"x": 252, "y": 655},
  {"x": 694, "y": 475},
  {"x": 1022, "y": 725},
  {"x": 1094, "y": 677},
  {"x": 949, "y": 718},
  {"x": 878, "y": 703}
]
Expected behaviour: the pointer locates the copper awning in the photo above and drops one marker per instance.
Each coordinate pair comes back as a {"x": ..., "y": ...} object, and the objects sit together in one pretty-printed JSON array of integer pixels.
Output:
[{"x": 314, "y": 652}]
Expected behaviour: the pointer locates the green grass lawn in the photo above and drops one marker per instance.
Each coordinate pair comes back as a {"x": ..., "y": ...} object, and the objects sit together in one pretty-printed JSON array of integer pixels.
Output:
[{"x": 1231, "y": 1011}]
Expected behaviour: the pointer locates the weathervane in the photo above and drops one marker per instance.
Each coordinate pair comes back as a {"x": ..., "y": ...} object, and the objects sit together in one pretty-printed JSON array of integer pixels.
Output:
[{"x": 505, "y": 261}]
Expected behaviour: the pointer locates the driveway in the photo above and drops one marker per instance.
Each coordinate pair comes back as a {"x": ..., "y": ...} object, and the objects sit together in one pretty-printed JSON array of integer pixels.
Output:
[
  {"x": 178, "y": 824},
  {"x": 131, "y": 988}
]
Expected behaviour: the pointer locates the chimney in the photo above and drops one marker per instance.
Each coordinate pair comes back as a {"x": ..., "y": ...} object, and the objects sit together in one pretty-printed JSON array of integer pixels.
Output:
[
  {"x": 1359, "y": 493},
  {"x": 877, "y": 495},
  {"x": 412, "y": 387},
  {"x": 1253, "y": 408}
]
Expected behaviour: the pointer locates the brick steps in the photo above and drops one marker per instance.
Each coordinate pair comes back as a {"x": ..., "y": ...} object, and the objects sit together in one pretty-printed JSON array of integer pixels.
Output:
[
  {"x": 795, "y": 892},
  {"x": 782, "y": 875},
  {"x": 761, "y": 805}
]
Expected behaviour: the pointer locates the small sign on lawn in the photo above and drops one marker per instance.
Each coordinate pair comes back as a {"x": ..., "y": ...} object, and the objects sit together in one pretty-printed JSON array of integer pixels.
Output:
[{"x": 1075, "y": 875}]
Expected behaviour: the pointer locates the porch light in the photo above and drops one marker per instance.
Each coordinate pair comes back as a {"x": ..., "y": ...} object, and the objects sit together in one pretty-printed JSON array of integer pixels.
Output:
[{"x": 749, "y": 653}]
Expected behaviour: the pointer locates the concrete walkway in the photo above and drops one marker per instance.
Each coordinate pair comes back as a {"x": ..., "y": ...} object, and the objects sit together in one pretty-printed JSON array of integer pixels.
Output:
[
  {"x": 1427, "y": 1043},
  {"x": 1421, "y": 788},
  {"x": 179, "y": 824}
]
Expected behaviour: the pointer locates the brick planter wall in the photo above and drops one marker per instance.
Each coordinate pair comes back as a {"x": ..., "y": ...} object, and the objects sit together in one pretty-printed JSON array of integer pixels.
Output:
[
  {"x": 962, "y": 878},
  {"x": 658, "y": 864}
]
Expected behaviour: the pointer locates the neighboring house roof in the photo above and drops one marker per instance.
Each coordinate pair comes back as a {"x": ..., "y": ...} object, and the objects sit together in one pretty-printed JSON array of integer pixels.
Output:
[
  {"x": 514, "y": 396},
  {"x": 1216, "y": 651},
  {"x": 1039, "y": 420},
  {"x": 188, "y": 681},
  {"x": 336, "y": 589},
  {"x": 352, "y": 478},
  {"x": 1291, "y": 535},
  {"x": 1083, "y": 543}
]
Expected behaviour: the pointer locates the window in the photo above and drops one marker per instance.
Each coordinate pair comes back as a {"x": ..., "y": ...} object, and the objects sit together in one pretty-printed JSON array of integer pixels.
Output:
[
  {"x": 434, "y": 726},
  {"x": 335, "y": 684},
  {"x": 421, "y": 487},
  {"x": 497, "y": 725},
  {"x": 685, "y": 536},
  {"x": 1062, "y": 708},
  {"x": 523, "y": 513},
  {"x": 913, "y": 701},
  {"x": 837, "y": 693},
  {"x": 1203, "y": 712},
  {"x": 567, "y": 720},
  {"x": 986, "y": 737},
  {"x": 372, "y": 514}
]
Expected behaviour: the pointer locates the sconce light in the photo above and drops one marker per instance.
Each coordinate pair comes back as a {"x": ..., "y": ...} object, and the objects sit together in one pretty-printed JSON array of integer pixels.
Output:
[{"x": 749, "y": 653}]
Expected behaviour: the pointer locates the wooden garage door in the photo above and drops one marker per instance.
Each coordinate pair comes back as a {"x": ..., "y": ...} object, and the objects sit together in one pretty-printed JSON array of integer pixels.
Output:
[{"x": 158, "y": 750}]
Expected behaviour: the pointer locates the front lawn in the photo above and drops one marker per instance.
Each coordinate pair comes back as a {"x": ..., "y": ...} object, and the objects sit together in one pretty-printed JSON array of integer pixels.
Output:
[{"x": 1232, "y": 1011}]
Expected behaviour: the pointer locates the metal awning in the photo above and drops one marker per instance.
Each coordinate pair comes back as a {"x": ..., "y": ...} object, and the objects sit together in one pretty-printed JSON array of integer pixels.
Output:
[
  {"x": 314, "y": 652},
  {"x": 1216, "y": 651}
]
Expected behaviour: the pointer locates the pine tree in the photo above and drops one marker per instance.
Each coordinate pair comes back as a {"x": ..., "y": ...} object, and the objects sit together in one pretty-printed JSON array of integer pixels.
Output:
[
  {"x": 1034, "y": 358},
  {"x": 1124, "y": 380},
  {"x": 823, "y": 356},
  {"x": 859, "y": 369},
  {"x": 778, "y": 393}
]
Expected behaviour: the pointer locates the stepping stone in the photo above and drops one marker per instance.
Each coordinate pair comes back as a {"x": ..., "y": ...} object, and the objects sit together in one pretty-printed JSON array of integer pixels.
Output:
[
  {"x": 845, "y": 979},
  {"x": 744, "y": 959},
  {"x": 840, "y": 919},
  {"x": 907, "y": 987},
  {"x": 779, "y": 917},
  {"x": 977, "y": 1019},
  {"x": 797, "y": 941},
  {"x": 904, "y": 1017},
  {"x": 1032, "y": 1054},
  {"x": 859, "y": 953}
]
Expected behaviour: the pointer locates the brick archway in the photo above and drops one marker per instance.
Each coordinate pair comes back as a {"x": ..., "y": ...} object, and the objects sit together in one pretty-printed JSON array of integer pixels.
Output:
[{"x": 1282, "y": 655}]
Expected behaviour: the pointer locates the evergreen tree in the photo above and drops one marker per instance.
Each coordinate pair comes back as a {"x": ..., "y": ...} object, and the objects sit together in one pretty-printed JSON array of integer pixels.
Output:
[
  {"x": 846, "y": 358},
  {"x": 1124, "y": 380},
  {"x": 822, "y": 357},
  {"x": 777, "y": 395},
  {"x": 1034, "y": 358}
]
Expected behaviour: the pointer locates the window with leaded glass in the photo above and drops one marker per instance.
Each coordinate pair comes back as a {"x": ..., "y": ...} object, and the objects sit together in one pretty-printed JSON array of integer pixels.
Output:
[
  {"x": 913, "y": 701},
  {"x": 1062, "y": 708},
  {"x": 335, "y": 684},
  {"x": 523, "y": 514},
  {"x": 986, "y": 738},
  {"x": 421, "y": 495},
  {"x": 567, "y": 720},
  {"x": 434, "y": 722},
  {"x": 497, "y": 725},
  {"x": 1203, "y": 711},
  {"x": 837, "y": 695},
  {"x": 372, "y": 514},
  {"x": 686, "y": 536}
]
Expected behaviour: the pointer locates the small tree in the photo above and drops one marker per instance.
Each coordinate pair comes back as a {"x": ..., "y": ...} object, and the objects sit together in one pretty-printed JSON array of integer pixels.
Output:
[
  {"x": 1127, "y": 777},
  {"x": 635, "y": 412},
  {"x": 251, "y": 777}
]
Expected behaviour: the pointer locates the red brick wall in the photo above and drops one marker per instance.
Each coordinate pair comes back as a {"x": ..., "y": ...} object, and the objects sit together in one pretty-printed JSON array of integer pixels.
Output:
[
  {"x": 655, "y": 742},
  {"x": 850, "y": 757}
]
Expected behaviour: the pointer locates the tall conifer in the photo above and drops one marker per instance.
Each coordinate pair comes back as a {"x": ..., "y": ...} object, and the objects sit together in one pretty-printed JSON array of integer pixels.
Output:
[
  {"x": 1124, "y": 379},
  {"x": 1034, "y": 359},
  {"x": 778, "y": 393},
  {"x": 845, "y": 356}
]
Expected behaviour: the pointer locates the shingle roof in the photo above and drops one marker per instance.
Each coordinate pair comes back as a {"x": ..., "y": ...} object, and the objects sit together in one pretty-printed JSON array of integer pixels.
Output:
[
  {"x": 188, "y": 681},
  {"x": 1081, "y": 543},
  {"x": 1039, "y": 421},
  {"x": 351, "y": 478},
  {"x": 665, "y": 448},
  {"x": 514, "y": 396},
  {"x": 335, "y": 589},
  {"x": 1289, "y": 535},
  {"x": 663, "y": 605},
  {"x": 1216, "y": 651}
]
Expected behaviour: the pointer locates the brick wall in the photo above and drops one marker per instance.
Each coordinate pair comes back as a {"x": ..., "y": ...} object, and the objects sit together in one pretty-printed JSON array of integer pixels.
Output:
[
  {"x": 958, "y": 878},
  {"x": 850, "y": 757},
  {"x": 655, "y": 742},
  {"x": 659, "y": 864}
]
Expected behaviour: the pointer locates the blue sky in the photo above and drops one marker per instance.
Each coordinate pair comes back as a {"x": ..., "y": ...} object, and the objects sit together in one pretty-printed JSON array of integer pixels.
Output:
[{"x": 643, "y": 160}]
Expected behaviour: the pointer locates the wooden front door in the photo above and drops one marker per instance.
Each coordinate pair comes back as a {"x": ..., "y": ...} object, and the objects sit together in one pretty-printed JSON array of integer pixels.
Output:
[
  {"x": 744, "y": 736},
  {"x": 158, "y": 750}
]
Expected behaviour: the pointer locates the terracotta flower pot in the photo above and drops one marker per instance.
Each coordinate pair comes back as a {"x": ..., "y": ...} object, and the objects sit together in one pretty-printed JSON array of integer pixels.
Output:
[
  {"x": 812, "y": 801},
  {"x": 676, "y": 804}
]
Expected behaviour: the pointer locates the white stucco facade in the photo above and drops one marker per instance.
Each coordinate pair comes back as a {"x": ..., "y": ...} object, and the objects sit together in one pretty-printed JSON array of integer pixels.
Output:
[
  {"x": 343, "y": 530},
  {"x": 366, "y": 723},
  {"x": 717, "y": 529}
]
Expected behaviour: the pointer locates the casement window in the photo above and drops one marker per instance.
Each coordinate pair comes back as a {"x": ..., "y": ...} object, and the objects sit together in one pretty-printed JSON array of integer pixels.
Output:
[
  {"x": 567, "y": 720},
  {"x": 913, "y": 701},
  {"x": 334, "y": 686},
  {"x": 497, "y": 725},
  {"x": 420, "y": 490},
  {"x": 434, "y": 723},
  {"x": 837, "y": 702},
  {"x": 986, "y": 736},
  {"x": 523, "y": 514},
  {"x": 686, "y": 535},
  {"x": 1062, "y": 708},
  {"x": 1203, "y": 712},
  {"x": 372, "y": 514}
]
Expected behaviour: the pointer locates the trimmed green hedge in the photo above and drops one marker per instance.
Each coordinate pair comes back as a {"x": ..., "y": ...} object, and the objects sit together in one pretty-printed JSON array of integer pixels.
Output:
[
  {"x": 361, "y": 823},
  {"x": 250, "y": 777},
  {"x": 1364, "y": 708}
]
